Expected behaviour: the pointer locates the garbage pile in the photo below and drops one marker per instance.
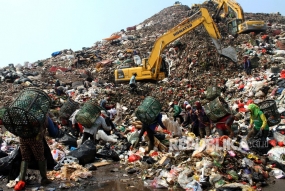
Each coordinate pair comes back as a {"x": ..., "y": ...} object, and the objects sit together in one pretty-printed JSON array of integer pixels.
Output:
[{"x": 196, "y": 73}]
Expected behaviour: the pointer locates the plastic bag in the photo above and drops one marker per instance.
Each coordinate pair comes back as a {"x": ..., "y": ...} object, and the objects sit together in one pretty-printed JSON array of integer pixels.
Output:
[
  {"x": 133, "y": 158},
  {"x": 85, "y": 153},
  {"x": 68, "y": 140},
  {"x": 183, "y": 178},
  {"x": 102, "y": 135},
  {"x": 3, "y": 154},
  {"x": 259, "y": 145},
  {"x": 156, "y": 183},
  {"x": 276, "y": 153},
  {"x": 6, "y": 163},
  {"x": 194, "y": 185},
  {"x": 132, "y": 137},
  {"x": 108, "y": 153},
  {"x": 278, "y": 137}
]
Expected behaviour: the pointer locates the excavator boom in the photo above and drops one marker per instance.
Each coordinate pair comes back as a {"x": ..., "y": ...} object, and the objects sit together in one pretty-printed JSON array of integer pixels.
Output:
[
  {"x": 151, "y": 68},
  {"x": 238, "y": 25}
]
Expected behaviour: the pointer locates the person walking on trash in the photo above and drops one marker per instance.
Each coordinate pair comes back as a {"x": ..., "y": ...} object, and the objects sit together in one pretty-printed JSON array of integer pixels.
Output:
[
  {"x": 258, "y": 122},
  {"x": 150, "y": 129},
  {"x": 177, "y": 111},
  {"x": 33, "y": 146},
  {"x": 133, "y": 84}
]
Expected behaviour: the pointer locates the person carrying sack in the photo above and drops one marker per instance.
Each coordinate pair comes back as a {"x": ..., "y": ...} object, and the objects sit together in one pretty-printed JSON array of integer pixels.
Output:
[{"x": 150, "y": 129}]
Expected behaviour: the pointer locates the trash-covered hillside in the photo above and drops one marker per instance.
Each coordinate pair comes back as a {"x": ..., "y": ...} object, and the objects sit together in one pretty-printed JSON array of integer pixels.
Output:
[{"x": 181, "y": 158}]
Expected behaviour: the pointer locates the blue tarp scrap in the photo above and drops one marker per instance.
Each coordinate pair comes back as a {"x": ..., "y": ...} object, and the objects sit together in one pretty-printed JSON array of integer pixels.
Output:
[{"x": 56, "y": 53}]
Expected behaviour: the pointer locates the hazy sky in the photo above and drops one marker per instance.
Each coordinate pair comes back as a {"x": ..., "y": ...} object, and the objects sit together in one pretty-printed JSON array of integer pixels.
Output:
[{"x": 32, "y": 29}]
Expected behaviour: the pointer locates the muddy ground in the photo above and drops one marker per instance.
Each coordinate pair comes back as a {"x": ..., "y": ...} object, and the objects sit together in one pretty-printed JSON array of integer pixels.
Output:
[{"x": 104, "y": 178}]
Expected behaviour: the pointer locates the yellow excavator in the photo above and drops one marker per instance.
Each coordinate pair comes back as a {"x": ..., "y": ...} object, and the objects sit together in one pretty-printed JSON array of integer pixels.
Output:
[
  {"x": 238, "y": 25},
  {"x": 154, "y": 68}
]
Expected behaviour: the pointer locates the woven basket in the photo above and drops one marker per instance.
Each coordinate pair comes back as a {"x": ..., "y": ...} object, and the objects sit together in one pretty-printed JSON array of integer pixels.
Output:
[
  {"x": 68, "y": 108},
  {"x": 270, "y": 111},
  {"x": 217, "y": 109},
  {"x": 148, "y": 110},
  {"x": 27, "y": 113},
  {"x": 88, "y": 114},
  {"x": 213, "y": 92}
]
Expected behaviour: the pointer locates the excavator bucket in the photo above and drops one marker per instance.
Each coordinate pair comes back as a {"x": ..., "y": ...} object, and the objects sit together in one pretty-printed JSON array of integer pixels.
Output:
[{"x": 229, "y": 52}]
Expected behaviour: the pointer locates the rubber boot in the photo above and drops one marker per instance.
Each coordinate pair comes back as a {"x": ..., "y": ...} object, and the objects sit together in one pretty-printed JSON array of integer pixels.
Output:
[
  {"x": 23, "y": 170},
  {"x": 43, "y": 172}
]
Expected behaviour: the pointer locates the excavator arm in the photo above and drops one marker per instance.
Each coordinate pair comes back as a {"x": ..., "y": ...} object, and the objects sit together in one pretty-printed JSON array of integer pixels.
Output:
[
  {"x": 179, "y": 31},
  {"x": 235, "y": 7},
  {"x": 238, "y": 25},
  {"x": 150, "y": 69}
]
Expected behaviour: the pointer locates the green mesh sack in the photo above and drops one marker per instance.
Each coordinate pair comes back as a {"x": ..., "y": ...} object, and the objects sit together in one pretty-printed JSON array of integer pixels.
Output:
[
  {"x": 68, "y": 108},
  {"x": 213, "y": 92},
  {"x": 88, "y": 114},
  {"x": 148, "y": 110},
  {"x": 25, "y": 116}
]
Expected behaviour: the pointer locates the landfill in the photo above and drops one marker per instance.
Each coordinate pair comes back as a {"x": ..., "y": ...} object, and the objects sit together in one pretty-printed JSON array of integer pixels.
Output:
[{"x": 180, "y": 159}]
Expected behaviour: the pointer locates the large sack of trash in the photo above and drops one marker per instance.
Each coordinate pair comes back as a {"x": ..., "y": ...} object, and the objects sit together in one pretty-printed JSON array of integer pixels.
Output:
[{"x": 85, "y": 153}]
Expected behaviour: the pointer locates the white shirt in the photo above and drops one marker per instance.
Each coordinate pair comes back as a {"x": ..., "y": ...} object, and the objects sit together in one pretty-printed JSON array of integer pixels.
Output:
[{"x": 100, "y": 122}]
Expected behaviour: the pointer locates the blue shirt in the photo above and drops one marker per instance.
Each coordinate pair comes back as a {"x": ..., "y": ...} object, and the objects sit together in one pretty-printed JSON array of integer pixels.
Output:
[
  {"x": 158, "y": 120},
  {"x": 52, "y": 128},
  {"x": 133, "y": 80}
]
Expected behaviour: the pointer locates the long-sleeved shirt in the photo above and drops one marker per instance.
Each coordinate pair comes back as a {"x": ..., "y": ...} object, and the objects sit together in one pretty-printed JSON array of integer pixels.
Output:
[
  {"x": 158, "y": 121},
  {"x": 52, "y": 128},
  {"x": 99, "y": 123},
  {"x": 259, "y": 122},
  {"x": 177, "y": 110},
  {"x": 133, "y": 80}
]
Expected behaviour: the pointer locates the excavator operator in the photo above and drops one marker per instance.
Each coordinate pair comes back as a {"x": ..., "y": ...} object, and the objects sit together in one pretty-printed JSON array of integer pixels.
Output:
[{"x": 133, "y": 84}]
